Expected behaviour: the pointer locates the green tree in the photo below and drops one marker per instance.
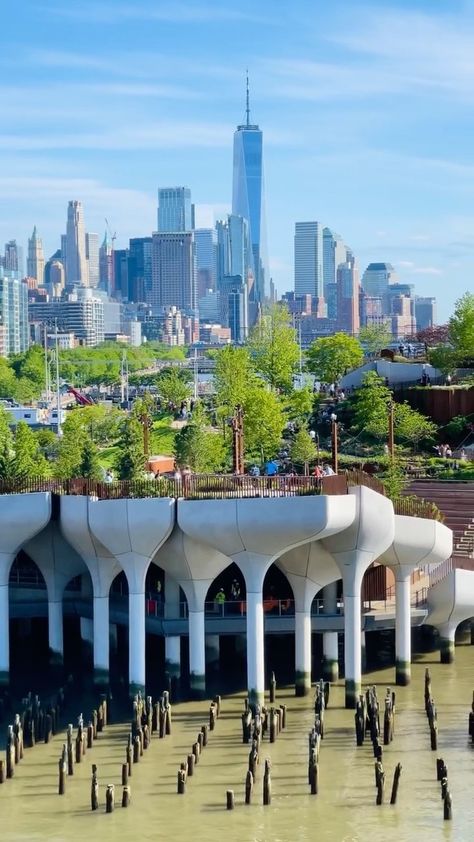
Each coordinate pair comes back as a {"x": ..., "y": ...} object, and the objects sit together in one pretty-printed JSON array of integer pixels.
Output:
[
  {"x": 174, "y": 386},
  {"x": 28, "y": 461},
  {"x": 412, "y": 426},
  {"x": 461, "y": 327},
  {"x": 198, "y": 446},
  {"x": 370, "y": 406},
  {"x": 393, "y": 480},
  {"x": 299, "y": 405},
  {"x": 90, "y": 465},
  {"x": 6, "y": 444},
  {"x": 274, "y": 349},
  {"x": 264, "y": 422},
  {"x": 233, "y": 376},
  {"x": 70, "y": 448},
  {"x": 131, "y": 460},
  {"x": 330, "y": 357},
  {"x": 303, "y": 449},
  {"x": 374, "y": 338}
]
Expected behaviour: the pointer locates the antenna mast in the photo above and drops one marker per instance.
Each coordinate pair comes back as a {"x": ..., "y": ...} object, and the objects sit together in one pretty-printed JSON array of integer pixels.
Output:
[{"x": 247, "y": 109}]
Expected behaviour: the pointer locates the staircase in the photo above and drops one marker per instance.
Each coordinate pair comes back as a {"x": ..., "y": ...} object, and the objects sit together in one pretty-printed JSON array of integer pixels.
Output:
[{"x": 456, "y": 502}]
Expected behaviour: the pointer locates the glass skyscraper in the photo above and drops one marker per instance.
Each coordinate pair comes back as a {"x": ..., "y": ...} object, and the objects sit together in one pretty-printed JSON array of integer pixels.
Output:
[
  {"x": 248, "y": 198},
  {"x": 174, "y": 209}
]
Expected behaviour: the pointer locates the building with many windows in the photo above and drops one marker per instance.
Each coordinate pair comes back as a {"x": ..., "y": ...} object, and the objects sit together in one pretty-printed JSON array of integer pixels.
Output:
[
  {"x": 80, "y": 312},
  {"x": 139, "y": 269},
  {"x": 76, "y": 262},
  {"x": 13, "y": 313},
  {"x": 334, "y": 253},
  {"x": 92, "y": 257},
  {"x": 173, "y": 271},
  {"x": 205, "y": 240},
  {"x": 425, "y": 312},
  {"x": 35, "y": 261},
  {"x": 175, "y": 211},
  {"x": 309, "y": 259}
]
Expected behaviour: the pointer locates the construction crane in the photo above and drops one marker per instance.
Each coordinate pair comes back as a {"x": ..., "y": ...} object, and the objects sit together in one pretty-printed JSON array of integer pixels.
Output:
[{"x": 113, "y": 236}]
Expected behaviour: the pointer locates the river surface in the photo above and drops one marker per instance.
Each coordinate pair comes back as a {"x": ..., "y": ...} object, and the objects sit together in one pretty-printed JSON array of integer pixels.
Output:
[{"x": 343, "y": 811}]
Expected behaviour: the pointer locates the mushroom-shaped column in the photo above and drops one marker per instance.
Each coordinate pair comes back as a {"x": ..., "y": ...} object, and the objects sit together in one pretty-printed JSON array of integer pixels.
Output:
[
  {"x": 417, "y": 541},
  {"x": 103, "y": 568},
  {"x": 450, "y": 602},
  {"x": 253, "y": 533},
  {"x": 21, "y": 517},
  {"x": 172, "y": 642},
  {"x": 353, "y": 550},
  {"x": 133, "y": 532},
  {"x": 59, "y": 563},
  {"x": 330, "y": 638},
  {"x": 309, "y": 568},
  {"x": 194, "y": 566}
]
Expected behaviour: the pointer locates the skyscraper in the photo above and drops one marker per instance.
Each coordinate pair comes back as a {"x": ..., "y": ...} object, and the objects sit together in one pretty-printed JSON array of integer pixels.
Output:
[
  {"x": 13, "y": 312},
  {"x": 174, "y": 209},
  {"x": 120, "y": 264},
  {"x": 425, "y": 312},
  {"x": 206, "y": 259},
  {"x": 248, "y": 199},
  {"x": 106, "y": 267},
  {"x": 376, "y": 280},
  {"x": 76, "y": 264},
  {"x": 334, "y": 253},
  {"x": 348, "y": 319},
  {"x": 35, "y": 262},
  {"x": 139, "y": 269},
  {"x": 309, "y": 259},
  {"x": 13, "y": 260},
  {"x": 173, "y": 271},
  {"x": 92, "y": 257}
]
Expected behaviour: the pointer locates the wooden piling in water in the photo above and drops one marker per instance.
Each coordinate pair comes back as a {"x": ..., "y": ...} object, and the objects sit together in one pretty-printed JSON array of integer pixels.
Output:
[
  {"x": 272, "y": 688},
  {"x": 110, "y": 798},
  {"x": 230, "y": 799},
  {"x": 126, "y": 796},
  {"x": 447, "y": 807},
  {"x": 181, "y": 788},
  {"x": 396, "y": 782},
  {"x": 94, "y": 792},
  {"x": 204, "y": 735},
  {"x": 191, "y": 764},
  {"x": 248, "y": 787},
  {"x": 62, "y": 776},
  {"x": 267, "y": 784}
]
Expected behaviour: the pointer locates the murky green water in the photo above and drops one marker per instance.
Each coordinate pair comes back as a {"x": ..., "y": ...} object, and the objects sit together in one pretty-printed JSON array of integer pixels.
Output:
[{"x": 343, "y": 811}]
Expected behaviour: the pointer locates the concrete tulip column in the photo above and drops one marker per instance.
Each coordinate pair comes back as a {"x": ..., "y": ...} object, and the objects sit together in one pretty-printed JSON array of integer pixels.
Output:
[
  {"x": 254, "y": 533},
  {"x": 194, "y": 566},
  {"x": 21, "y": 517},
  {"x": 172, "y": 642},
  {"x": 133, "y": 530},
  {"x": 450, "y": 602},
  {"x": 309, "y": 568},
  {"x": 330, "y": 638},
  {"x": 417, "y": 542},
  {"x": 58, "y": 563},
  {"x": 353, "y": 550},
  {"x": 103, "y": 568},
  {"x": 447, "y": 642}
]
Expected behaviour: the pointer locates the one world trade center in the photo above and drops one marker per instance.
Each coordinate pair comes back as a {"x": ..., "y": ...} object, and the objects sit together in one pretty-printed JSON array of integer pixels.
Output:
[{"x": 248, "y": 196}]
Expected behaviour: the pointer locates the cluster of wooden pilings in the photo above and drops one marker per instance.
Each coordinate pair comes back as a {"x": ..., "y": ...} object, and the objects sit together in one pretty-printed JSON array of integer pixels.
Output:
[
  {"x": 75, "y": 748},
  {"x": 441, "y": 768},
  {"x": 316, "y": 734},
  {"x": 187, "y": 767},
  {"x": 35, "y": 723},
  {"x": 367, "y": 721}
]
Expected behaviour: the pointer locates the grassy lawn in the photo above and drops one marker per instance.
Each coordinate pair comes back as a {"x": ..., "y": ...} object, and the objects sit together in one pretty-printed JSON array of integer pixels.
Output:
[{"x": 162, "y": 436}]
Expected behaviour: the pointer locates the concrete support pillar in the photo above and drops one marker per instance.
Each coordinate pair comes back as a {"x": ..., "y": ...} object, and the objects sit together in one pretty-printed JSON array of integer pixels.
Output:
[
  {"x": 101, "y": 640},
  {"x": 402, "y": 627},
  {"x": 303, "y": 653},
  {"x": 352, "y": 648},
  {"x": 447, "y": 636},
  {"x": 87, "y": 630},
  {"x": 173, "y": 643},
  {"x": 330, "y": 656},
  {"x": 136, "y": 643},
  {"x": 113, "y": 636},
  {"x": 330, "y": 639},
  {"x": 55, "y": 631},
  {"x": 4, "y": 636},
  {"x": 197, "y": 652},
  {"x": 363, "y": 651},
  {"x": 255, "y": 647},
  {"x": 213, "y": 651}
]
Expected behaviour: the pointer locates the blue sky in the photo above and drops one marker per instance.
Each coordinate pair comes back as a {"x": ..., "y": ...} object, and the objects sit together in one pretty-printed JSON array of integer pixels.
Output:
[{"x": 367, "y": 113}]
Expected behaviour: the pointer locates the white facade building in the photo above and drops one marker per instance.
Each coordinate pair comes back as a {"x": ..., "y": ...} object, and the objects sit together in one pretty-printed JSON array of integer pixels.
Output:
[{"x": 309, "y": 259}]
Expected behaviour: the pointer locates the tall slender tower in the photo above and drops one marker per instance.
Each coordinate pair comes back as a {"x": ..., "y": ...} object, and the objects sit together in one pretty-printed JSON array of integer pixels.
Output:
[
  {"x": 106, "y": 265},
  {"x": 76, "y": 262},
  {"x": 248, "y": 197},
  {"x": 35, "y": 261}
]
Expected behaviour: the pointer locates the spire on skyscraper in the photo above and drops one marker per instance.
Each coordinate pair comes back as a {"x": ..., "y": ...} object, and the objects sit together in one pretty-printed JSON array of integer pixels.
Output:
[{"x": 247, "y": 109}]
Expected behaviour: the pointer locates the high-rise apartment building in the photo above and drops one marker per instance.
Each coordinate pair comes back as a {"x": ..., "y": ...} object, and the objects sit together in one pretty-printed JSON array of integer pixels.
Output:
[
  {"x": 80, "y": 312},
  {"x": 92, "y": 257},
  {"x": 248, "y": 195},
  {"x": 106, "y": 266},
  {"x": 35, "y": 260},
  {"x": 139, "y": 269},
  {"x": 425, "y": 312},
  {"x": 76, "y": 263},
  {"x": 173, "y": 271},
  {"x": 205, "y": 240},
  {"x": 309, "y": 259},
  {"x": 175, "y": 211},
  {"x": 13, "y": 312}
]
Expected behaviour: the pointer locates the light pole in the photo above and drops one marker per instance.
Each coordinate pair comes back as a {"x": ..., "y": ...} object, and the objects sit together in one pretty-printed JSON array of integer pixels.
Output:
[
  {"x": 334, "y": 442},
  {"x": 391, "y": 431},
  {"x": 58, "y": 394}
]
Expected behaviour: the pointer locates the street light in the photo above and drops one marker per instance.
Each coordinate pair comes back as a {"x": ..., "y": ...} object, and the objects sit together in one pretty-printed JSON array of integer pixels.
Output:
[{"x": 334, "y": 442}]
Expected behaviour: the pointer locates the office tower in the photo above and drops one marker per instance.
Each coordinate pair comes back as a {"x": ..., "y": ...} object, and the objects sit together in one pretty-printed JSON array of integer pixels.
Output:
[
  {"x": 174, "y": 209},
  {"x": 330, "y": 297},
  {"x": 92, "y": 257},
  {"x": 80, "y": 312},
  {"x": 120, "y": 269},
  {"x": 223, "y": 251},
  {"x": 248, "y": 196},
  {"x": 76, "y": 264},
  {"x": 139, "y": 269},
  {"x": 173, "y": 271},
  {"x": 309, "y": 259},
  {"x": 13, "y": 259},
  {"x": 348, "y": 319},
  {"x": 209, "y": 306},
  {"x": 106, "y": 266},
  {"x": 238, "y": 313},
  {"x": 205, "y": 240},
  {"x": 402, "y": 313},
  {"x": 425, "y": 312},
  {"x": 376, "y": 280},
  {"x": 334, "y": 253},
  {"x": 14, "y": 312},
  {"x": 35, "y": 262}
]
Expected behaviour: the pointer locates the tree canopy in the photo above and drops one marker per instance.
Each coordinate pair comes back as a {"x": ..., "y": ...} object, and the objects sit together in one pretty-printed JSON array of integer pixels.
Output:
[
  {"x": 330, "y": 357},
  {"x": 375, "y": 337},
  {"x": 199, "y": 447},
  {"x": 274, "y": 349}
]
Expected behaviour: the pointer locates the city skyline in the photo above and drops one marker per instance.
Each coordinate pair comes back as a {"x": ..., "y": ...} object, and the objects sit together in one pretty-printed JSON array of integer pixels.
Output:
[{"x": 366, "y": 126}]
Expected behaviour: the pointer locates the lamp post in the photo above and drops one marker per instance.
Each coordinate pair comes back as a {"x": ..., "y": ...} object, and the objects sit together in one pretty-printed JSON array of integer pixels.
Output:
[
  {"x": 391, "y": 431},
  {"x": 334, "y": 442}
]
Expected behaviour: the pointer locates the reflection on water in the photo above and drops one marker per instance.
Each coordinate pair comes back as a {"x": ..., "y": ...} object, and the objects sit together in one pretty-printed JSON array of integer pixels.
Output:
[{"x": 344, "y": 810}]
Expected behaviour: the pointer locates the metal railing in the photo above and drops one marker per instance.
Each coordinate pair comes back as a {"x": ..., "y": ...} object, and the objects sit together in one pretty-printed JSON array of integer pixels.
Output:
[
  {"x": 230, "y": 609},
  {"x": 417, "y": 507},
  {"x": 356, "y": 477}
]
